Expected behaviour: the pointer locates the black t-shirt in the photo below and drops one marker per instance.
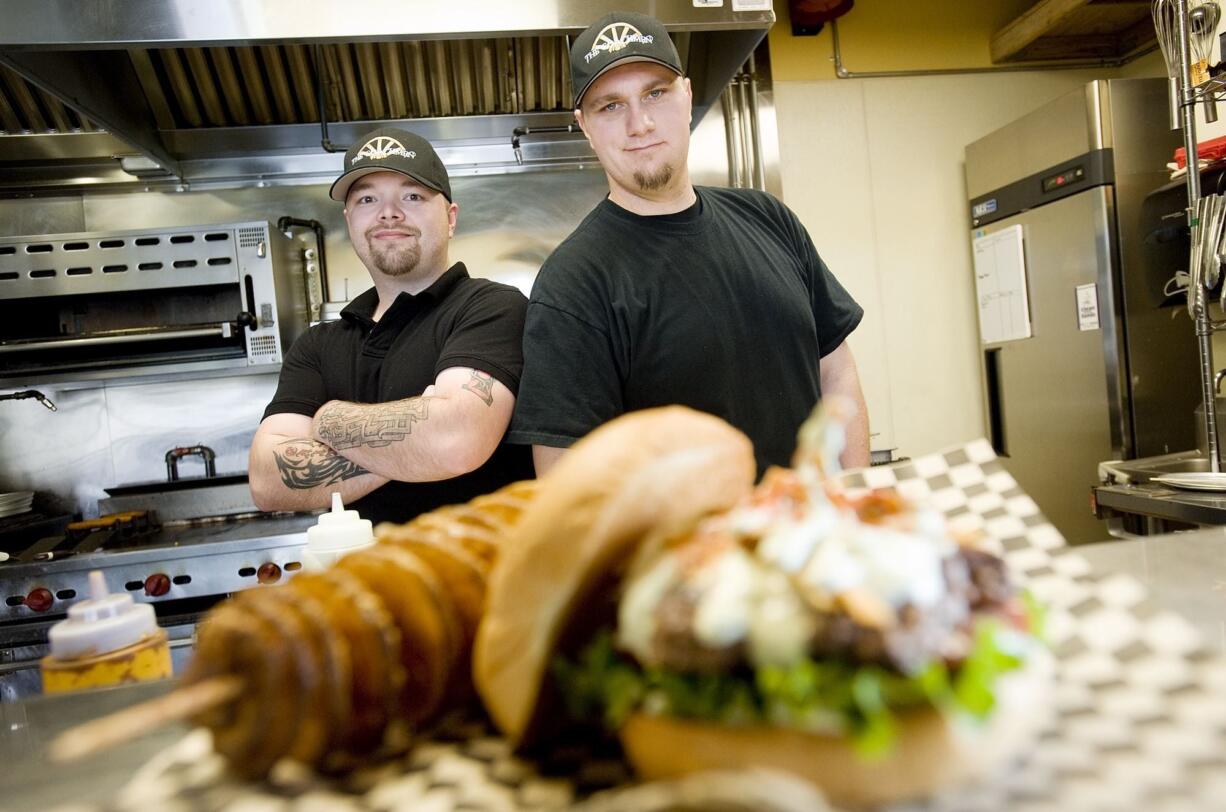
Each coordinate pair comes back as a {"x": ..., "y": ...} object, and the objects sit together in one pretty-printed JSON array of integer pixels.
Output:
[
  {"x": 725, "y": 307},
  {"x": 456, "y": 322}
]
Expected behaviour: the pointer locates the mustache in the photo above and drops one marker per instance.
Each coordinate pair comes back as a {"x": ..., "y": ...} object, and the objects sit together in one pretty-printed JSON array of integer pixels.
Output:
[{"x": 407, "y": 232}]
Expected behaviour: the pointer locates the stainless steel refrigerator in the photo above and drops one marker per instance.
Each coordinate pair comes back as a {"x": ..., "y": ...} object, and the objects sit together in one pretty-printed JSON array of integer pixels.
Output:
[{"x": 1085, "y": 357}]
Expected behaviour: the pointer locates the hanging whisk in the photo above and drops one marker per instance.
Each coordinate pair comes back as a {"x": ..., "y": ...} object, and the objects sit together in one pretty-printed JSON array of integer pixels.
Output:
[
  {"x": 1202, "y": 25},
  {"x": 1166, "y": 24}
]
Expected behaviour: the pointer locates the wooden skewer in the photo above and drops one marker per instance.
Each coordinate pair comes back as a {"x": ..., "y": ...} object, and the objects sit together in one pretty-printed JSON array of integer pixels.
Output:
[{"x": 124, "y": 725}]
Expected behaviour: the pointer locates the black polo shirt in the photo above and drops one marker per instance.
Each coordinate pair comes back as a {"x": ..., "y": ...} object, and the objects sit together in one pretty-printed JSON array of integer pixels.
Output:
[
  {"x": 456, "y": 322},
  {"x": 725, "y": 307}
]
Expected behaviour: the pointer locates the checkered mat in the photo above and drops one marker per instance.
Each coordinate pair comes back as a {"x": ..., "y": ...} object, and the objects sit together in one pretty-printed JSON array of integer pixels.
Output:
[{"x": 1138, "y": 719}]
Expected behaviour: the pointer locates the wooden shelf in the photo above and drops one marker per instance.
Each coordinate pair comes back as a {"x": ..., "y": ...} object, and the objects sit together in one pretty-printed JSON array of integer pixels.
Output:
[{"x": 1076, "y": 30}]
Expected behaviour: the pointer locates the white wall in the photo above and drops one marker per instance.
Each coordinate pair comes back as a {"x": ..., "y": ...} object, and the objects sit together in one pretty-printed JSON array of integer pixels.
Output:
[{"x": 874, "y": 168}]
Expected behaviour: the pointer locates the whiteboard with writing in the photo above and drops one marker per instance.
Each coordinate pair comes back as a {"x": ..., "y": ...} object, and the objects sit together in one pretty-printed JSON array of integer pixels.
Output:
[{"x": 1000, "y": 284}]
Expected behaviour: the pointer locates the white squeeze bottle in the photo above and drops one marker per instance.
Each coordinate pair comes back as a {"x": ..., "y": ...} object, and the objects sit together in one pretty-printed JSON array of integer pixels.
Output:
[{"x": 337, "y": 533}]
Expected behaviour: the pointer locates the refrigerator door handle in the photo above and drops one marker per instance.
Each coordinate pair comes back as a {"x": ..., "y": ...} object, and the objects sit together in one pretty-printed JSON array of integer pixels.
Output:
[{"x": 996, "y": 405}]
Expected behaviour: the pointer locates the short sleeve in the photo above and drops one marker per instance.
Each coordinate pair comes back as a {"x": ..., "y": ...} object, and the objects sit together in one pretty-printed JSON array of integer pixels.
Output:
[
  {"x": 835, "y": 312},
  {"x": 571, "y": 383},
  {"x": 488, "y": 336},
  {"x": 300, "y": 389}
]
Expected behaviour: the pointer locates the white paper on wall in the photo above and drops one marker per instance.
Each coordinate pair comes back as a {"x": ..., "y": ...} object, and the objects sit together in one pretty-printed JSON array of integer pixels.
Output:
[
  {"x": 1087, "y": 307},
  {"x": 1000, "y": 283}
]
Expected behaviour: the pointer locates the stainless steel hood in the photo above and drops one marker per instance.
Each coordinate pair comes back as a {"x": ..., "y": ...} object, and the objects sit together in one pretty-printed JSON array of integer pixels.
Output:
[{"x": 141, "y": 93}]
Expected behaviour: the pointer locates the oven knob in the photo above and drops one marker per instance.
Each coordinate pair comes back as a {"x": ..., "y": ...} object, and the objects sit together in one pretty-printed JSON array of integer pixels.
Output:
[
  {"x": 40, "y": 599},
  {"x": 157, "y": 585},
  {"x": 268, "y": 573}
]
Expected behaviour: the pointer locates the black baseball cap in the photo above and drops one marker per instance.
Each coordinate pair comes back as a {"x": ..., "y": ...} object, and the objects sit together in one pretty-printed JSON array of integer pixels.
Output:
[
  {"x": 615, "y": 39},
  {"x": 391, "y": 149}
]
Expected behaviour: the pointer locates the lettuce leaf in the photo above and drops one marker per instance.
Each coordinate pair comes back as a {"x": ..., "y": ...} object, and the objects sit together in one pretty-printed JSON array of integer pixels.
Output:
[{"x": 826, "y": 696}]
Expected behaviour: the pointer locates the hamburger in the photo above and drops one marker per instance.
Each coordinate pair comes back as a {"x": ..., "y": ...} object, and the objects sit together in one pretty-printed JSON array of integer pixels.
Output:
[{"x": 857, "y": 642}]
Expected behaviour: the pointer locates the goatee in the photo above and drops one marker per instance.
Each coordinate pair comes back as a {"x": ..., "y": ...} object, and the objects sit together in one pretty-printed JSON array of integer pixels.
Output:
[
  {"x": 656, "y": 180},
  {"x": 395, "y": 260}
]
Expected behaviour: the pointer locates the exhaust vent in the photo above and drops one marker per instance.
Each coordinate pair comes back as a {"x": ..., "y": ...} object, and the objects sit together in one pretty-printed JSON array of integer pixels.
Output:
[
  {"x": 238, "y": 96},
  {"x": 24, "y": 109},
  {"x": 193, "y": 88}
]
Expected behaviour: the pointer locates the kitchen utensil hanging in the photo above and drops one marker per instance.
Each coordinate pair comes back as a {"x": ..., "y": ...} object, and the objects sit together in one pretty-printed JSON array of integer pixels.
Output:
[
  {"x": 1166, "y": 24},
  {"x": 1204, "y": 265},
  {"x": 1211, "y": 267},
  {"x": 1202, "y": 28},
  {"x": 1214, "y": 278}
]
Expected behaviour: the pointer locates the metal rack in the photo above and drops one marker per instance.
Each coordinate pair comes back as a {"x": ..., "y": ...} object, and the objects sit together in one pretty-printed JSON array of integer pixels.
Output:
[
  {"x": 1214, "y": 89},
  {"x": 1189, "y": 96}
]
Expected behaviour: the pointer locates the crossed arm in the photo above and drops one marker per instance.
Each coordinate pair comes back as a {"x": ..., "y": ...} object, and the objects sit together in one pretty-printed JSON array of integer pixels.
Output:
[{"x": 296, "y": 461}]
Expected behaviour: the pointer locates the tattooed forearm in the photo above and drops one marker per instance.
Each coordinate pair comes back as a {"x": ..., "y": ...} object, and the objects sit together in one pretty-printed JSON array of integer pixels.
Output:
[
  {"x": 347, "y": 425},
  {"x": 306, "y": 464},
  {"x": 481, "y": 384}
]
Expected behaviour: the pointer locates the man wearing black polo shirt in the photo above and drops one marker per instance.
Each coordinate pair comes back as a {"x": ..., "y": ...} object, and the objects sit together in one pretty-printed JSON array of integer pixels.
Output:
[
  {"x": 667, "y": 293},
  {"x": 401, "y": 404}
]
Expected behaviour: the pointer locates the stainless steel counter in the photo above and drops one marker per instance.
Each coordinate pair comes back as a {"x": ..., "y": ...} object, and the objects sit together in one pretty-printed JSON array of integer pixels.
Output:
[
  {"x": 1184, "y": 572},
  {"x": 1161, "y": 504},
  {"x": 28, "y": 782}
]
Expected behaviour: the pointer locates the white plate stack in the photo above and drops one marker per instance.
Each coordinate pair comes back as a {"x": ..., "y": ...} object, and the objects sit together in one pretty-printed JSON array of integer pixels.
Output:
[
  {"x": 1198, "y": 481},
  {"x": 16, "y": 502}
]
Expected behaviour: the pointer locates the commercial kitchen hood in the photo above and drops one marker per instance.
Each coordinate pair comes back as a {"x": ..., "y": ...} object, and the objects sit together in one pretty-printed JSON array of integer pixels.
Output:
[{"x": 155, "y": 93}]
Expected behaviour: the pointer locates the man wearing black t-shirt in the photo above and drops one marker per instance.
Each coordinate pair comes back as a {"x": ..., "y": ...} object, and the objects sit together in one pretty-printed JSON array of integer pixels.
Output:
[
  {"x": 401, "y": 404},
  {"x": 667, "y": 293}
]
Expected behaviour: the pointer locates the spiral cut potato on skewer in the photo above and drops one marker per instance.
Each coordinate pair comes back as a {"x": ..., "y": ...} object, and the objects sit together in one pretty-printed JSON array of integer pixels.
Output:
[{"x": 336, "y": 665}]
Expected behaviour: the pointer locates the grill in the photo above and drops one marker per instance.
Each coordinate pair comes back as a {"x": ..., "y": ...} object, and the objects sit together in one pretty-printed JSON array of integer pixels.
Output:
[{"x": 181, "y": 566}]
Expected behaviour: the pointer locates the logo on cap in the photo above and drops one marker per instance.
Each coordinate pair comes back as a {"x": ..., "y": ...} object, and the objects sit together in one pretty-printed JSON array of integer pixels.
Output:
[
  {"x": 377, "y": 149},
  {"x": 616, "y": 36}
]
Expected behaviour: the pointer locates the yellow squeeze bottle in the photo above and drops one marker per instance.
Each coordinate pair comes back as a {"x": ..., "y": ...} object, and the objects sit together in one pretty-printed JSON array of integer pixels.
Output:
[{"x": 106, "y": 640}]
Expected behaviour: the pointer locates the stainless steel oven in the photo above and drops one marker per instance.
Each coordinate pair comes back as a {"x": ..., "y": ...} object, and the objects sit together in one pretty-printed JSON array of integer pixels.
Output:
[{"x": 131, "y": 303}]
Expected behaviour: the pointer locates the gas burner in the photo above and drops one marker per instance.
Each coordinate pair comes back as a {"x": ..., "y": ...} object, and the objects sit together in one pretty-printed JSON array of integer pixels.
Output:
[{"x": 197, "y": 558}]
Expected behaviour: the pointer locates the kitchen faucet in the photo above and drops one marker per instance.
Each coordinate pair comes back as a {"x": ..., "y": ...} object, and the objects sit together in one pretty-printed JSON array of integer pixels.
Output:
[{"x": 30, "y": 393}]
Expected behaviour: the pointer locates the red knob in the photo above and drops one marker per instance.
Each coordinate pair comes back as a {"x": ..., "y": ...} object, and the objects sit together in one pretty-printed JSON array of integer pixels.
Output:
[
  {"x": 40, "y": 599},
  {"x": 157, "y": 585},
  {"x": 268, "y": 573}
]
